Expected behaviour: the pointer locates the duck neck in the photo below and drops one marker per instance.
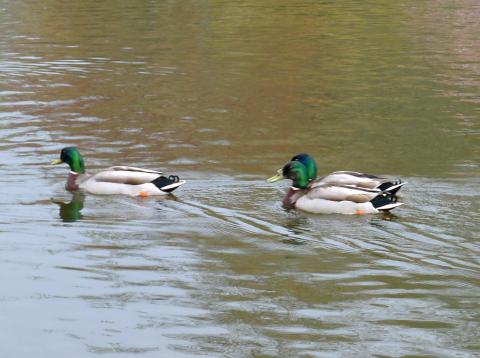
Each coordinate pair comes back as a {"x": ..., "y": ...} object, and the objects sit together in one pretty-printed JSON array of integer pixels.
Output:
[
  {"x": 291, "y": 197},
  {"x": 72, "y": 181}
]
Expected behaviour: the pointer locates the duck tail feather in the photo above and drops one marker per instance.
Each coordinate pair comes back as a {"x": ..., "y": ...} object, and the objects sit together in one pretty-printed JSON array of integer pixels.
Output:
[
  {"x": 385, "y": 202},
  {"x": 391, "y": 187},
  {"x": 389, "y": 206},
  {"x": 167, "y": 184}
]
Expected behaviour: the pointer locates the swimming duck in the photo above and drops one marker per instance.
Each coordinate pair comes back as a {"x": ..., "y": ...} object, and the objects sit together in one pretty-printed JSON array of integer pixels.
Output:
[
  {"x": 115, "y": 180},
  {"x": 342, "y": 192}
]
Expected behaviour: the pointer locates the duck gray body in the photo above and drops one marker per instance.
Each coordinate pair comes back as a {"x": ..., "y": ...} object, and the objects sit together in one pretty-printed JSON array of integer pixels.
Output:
[
  {"x": 123, "y": 180},
  {"x": 342, "y": 192},
  {"x": 330, "y": 198}
]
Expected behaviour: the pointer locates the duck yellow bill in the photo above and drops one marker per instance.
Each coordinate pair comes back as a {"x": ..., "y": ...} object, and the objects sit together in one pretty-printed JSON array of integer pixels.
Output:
[
  {"x": 276, "y": 177},
  {"x": 56, "y": 161}
]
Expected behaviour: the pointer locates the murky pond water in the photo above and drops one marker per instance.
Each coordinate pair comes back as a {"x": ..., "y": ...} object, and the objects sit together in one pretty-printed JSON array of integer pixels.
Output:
[{"x": 222, "y": 93}]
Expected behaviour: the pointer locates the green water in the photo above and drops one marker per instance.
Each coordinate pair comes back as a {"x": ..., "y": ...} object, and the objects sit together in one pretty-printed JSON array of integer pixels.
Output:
[{"x": 222, "y": 93}]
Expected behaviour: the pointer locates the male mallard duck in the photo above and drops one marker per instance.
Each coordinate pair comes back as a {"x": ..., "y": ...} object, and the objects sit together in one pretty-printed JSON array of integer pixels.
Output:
[
  {"x": 341, "y": 192},
  {"x": 115, "y": 180}
]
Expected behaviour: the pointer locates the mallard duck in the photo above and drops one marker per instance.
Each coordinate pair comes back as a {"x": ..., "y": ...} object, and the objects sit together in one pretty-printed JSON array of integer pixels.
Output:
[
  {"x": 342, "y": 192},
  {"x": 115, "y": 180}
]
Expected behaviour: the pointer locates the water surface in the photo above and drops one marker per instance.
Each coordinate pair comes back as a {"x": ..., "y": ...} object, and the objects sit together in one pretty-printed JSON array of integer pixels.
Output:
[{"x": 222, "y": 94}]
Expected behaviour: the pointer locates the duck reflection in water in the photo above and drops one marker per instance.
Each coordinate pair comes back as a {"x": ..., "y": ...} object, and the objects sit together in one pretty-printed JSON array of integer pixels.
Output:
[{"x": 71, "y": 211}]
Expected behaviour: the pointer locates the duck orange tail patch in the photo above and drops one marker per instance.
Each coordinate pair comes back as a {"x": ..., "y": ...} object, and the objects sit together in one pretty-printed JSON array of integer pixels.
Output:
[
  {"x": 143, "y": 194},
  {"x": 359, "y": 212}
]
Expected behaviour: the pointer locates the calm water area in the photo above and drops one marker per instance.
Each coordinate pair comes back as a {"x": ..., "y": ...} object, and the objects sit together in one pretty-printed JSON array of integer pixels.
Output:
[{"x": 223, "y": 93}]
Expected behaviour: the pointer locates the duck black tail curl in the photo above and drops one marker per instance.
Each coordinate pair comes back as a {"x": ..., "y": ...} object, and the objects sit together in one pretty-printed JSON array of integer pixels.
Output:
[
  {"x": 165, "y": 184},
  {"x": 391, "y": 187},
  {"x": 385, "y": 202}
]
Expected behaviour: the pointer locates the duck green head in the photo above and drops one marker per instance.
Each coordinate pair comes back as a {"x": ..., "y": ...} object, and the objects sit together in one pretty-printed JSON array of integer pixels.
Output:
[
  {"x": 295, "y": 171},
  {"x": 73, "y": 158},
  {"x": 309, "y": 163}
]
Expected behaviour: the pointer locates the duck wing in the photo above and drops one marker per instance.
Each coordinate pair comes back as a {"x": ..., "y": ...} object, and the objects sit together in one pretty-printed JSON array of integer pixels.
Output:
[
  {"x": 361, "y": 180},
  {"x": 353, "y": 178},
  {"x": 126, "y": 175},
  {"x": 133, "y": 169},
  {"x": 340, "y": 192}
]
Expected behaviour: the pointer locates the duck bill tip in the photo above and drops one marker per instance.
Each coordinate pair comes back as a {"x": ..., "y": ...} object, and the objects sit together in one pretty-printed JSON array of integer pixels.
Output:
[{"x": 275, "y": 178}]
